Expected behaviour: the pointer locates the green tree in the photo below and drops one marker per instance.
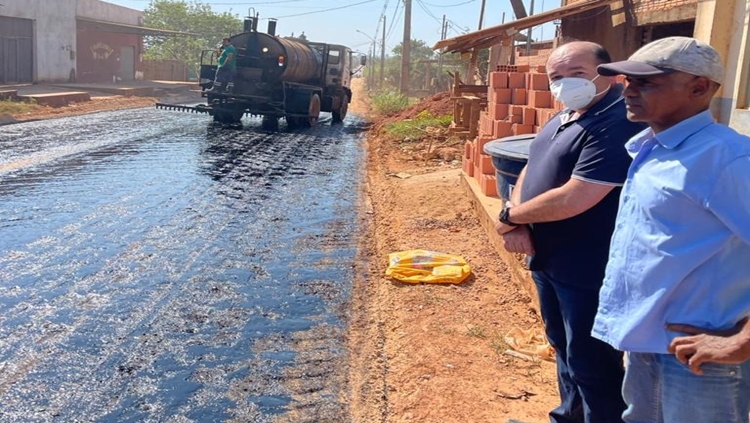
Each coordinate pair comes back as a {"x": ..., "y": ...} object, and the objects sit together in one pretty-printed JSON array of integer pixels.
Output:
[
  {"x": 424, "y": 67},
  {"x": 193, "y": 17},
  {"x": 421, "y": 57}
]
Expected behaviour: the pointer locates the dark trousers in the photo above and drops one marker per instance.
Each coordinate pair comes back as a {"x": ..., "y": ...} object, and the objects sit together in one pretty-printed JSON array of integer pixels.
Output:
[
  {"x": 589, "y": 371},
  {"x": 225, "y": 74}
]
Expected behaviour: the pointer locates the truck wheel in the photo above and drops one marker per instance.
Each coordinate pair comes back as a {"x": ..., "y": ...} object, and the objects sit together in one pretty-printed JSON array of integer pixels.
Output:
[
  {"x": 220, "y": 116},
  {"x": 313, "y": 111},
  {"x": 340, "y": 114},
  {"x": 270, "y": 123},
  {"x": 228, "y": 116},
  {"x": 293, "y": 122},
  {"x": 237, "y": 116}
]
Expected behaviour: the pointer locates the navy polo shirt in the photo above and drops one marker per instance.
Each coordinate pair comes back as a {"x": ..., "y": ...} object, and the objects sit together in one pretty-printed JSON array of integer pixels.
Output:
[{"x": 590, "y": 148}]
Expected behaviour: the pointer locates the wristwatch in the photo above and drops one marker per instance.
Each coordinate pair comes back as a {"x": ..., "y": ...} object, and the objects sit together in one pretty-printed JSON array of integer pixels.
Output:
[{"x": 505, "y": 216}]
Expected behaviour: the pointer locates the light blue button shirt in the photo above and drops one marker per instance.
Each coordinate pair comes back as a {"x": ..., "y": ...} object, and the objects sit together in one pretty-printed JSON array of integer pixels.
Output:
[{"x": 680, "y": 252}]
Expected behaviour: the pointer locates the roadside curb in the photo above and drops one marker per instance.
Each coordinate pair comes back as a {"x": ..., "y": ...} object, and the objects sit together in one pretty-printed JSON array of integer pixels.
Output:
[{"x": 7, "y": 120}]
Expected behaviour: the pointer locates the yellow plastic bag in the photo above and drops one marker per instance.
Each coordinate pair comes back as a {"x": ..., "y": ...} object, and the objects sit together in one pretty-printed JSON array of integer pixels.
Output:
[{"x": 415, "y": 266}]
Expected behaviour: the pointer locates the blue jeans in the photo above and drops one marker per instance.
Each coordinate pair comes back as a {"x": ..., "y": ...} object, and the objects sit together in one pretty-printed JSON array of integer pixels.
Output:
[
  {"x": 660, "y": 389},
  {"x": 589, "y": 371}
]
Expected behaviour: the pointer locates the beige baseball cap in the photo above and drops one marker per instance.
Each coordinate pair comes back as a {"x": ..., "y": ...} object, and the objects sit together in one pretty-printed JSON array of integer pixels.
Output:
[{"x": 667, "y": 55}]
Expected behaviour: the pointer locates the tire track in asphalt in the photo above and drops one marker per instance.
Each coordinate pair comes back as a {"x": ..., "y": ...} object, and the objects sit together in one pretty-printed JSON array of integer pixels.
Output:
[{"x": 163, "y": 301}]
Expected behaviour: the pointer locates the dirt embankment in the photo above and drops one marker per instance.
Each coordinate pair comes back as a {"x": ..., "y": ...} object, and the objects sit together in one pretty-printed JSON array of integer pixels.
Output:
[{"x": 423, "y": 353}]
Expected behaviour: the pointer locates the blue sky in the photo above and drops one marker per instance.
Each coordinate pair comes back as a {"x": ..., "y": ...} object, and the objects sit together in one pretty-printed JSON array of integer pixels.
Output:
[{"x": 339, "y": 22}]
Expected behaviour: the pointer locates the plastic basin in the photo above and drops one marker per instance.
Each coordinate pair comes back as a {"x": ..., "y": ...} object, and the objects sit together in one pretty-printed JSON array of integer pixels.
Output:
[{"x": 509, "y": 156}]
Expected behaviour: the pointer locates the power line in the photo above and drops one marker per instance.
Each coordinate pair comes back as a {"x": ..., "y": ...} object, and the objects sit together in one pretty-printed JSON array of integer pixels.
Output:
[
  {"x": 326, "y": 10},
  {"x": 396, "y": 17},
  {"x": 428, "y": 12},
  {"x": 450, "y": 5},
  {"x": 245, "y": 3},
  {"x": 382, "y": 15}
]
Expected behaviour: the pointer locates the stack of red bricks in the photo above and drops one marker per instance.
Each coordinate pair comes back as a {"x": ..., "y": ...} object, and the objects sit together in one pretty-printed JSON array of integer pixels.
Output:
[{"x": 518, "y": 102}]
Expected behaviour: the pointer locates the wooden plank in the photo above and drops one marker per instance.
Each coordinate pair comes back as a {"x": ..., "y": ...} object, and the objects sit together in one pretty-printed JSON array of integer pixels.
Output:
[{"x": 476, "y": 106}]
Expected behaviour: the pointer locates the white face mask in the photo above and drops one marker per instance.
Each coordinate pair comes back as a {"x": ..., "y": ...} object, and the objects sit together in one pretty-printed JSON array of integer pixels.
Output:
[{"x": 575, "y": 93}]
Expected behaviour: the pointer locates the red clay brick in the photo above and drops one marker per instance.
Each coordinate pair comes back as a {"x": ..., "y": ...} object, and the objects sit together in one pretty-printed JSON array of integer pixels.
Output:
[
  {"x": 518, "y": 96},
  {"x": 501, "y": 129},
  {"x": 488, "y": 185},
  {"x": 540, "y": 99},
  {"x": 468, "y": 149},
  {"x": 516, "y": 110},
  {"x": 485, "y": 164},
  {"x": 520, "y": 129},
  {"x": 498, "y": 80},
  {"x": 499, "y": 96},
  {"x": 538, "y": 81},
  {"x": 543, "y": 115},
  {"x": 498, "y": 111},
  {"x": 484, "y": 123},
  {"x": 480, "y": 143},
  {"x": 468, "y": 166},
  {"x": 516, "y": 80},
  {"x": 529, "y": 116}
]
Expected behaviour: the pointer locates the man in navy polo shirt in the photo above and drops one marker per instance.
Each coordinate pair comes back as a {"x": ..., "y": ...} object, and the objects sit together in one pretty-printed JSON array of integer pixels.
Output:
[{"x": 562, "y": 215}]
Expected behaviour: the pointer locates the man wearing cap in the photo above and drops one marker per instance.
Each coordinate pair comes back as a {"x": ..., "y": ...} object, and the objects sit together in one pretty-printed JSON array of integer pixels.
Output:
[
  {"x": 676, "y": 293},
  {"x": 562, "y": 213}
]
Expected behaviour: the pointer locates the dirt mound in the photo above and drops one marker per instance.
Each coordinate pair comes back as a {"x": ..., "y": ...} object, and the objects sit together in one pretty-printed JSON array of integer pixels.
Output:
[{"x": 439, "y": 104}]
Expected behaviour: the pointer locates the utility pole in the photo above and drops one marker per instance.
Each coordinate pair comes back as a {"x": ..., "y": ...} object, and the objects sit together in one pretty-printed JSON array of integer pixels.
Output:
[
  {"x": 443, "y": 34},
  {"x": 481, "y": 14},
  {"x": 382, "y": 57},
  {"x": 371, "y": 84},
  {"x": 473, "y": 63},
  {"x": 406, "y": 48},
  {"x": 528, "y": 33}
]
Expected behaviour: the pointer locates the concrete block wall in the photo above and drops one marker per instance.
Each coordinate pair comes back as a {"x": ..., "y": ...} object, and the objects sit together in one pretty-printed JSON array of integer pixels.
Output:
[
  {"x": 518, "y": 102},
  {"x": 54, "y": 29}
]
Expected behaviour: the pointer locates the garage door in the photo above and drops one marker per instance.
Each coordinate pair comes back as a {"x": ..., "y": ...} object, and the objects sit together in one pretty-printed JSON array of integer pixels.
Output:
[{"x": 16, "y": 50}]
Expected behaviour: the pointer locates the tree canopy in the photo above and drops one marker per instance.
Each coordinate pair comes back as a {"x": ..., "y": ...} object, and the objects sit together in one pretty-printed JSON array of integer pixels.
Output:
[
  {"x": 194, "y": 17},
  {"x": 424, "y": 66}
]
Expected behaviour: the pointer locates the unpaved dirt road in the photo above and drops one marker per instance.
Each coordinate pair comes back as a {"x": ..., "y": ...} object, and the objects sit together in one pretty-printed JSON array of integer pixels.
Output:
[{"x": 155, "y": 267}]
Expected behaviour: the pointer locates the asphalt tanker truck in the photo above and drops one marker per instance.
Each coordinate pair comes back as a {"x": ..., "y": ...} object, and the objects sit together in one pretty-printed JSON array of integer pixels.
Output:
[{"x": 277, "y": 77}]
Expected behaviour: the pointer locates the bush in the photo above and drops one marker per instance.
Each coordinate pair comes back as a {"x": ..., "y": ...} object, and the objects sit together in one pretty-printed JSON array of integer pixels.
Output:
[
  {"x": 389, "y": 101},
  {"x": 8, "y": 107},
  {"x": 416, "y": 129}
]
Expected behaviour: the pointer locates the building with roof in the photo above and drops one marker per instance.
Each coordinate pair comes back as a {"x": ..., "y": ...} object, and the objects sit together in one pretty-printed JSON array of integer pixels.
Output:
[{"x": 70, "y": 40}]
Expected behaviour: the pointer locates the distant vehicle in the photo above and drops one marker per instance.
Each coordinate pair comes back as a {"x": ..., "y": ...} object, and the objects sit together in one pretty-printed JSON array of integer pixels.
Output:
[{"x": 290, "y": 78}]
